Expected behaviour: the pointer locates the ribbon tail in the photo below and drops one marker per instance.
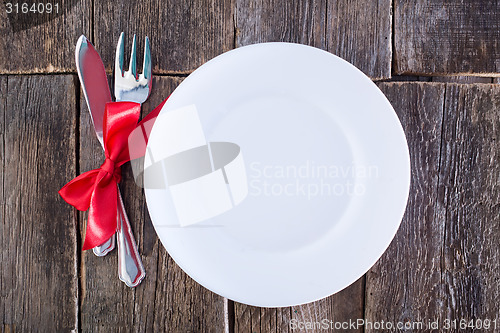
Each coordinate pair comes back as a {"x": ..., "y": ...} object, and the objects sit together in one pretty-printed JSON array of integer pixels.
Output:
[
  {"x": 153, "y": 114},
  {"x": 102, "y": 220},
  {"x": 78, "y": 192},
  {"x": 138, "y": 139}
]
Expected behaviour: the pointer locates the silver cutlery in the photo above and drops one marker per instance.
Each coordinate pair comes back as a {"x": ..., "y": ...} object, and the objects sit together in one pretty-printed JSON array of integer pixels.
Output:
[
  {"x": 96, "y": 91},
  {"x": 129, "y": 86}
]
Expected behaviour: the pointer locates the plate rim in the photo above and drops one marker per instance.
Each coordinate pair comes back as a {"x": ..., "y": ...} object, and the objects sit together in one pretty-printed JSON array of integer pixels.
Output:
[{"x": 401, "y": 209}]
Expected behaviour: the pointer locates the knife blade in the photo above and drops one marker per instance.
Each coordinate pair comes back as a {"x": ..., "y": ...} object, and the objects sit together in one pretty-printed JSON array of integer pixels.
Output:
[
  {"x": 94, "y": 82},
  {"x": 95, "y": 88}
]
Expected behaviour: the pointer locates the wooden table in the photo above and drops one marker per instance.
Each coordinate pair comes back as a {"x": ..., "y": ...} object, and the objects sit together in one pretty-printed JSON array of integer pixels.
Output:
[{"x": 436, "y": 61}]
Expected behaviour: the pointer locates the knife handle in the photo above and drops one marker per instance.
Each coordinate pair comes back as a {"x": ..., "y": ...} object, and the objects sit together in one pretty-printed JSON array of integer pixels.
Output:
[{"x": 130, "y": 267}]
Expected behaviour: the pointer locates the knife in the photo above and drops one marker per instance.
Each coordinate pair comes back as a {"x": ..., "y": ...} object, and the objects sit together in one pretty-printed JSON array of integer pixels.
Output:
[{"x": 96, "y": 91}]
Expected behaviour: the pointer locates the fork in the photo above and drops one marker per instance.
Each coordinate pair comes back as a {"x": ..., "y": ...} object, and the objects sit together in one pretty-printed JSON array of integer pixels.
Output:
[{"x": 129, "y": 86}]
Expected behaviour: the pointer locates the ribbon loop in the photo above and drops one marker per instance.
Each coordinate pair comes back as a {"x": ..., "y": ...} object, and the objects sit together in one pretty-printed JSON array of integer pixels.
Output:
[{"x": 97, "y": 189}]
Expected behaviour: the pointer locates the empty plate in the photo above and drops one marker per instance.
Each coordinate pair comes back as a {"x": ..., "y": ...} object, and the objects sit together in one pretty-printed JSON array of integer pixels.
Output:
[{"x": 278, "y": 174}]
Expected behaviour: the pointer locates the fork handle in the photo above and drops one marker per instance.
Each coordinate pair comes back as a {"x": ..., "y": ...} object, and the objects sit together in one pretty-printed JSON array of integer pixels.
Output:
[
  {"x": 130, "y": 267},
  {"x": 105, "y": 247}
]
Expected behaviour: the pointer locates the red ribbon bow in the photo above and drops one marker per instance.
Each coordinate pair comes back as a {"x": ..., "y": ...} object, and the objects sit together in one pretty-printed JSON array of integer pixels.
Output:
[{"x": 96, "y": 190}]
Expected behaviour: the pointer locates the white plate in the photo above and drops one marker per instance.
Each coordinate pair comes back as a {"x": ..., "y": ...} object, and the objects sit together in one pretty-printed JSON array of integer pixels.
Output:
[{"x": 327, "y": 168}]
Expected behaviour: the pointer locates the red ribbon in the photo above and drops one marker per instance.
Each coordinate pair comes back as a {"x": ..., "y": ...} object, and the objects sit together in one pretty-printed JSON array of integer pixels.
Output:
[{"x": 97, "y": 190}]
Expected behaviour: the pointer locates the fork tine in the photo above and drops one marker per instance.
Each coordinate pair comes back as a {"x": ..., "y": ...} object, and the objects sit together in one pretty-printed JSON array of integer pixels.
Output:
[
  {"x": 119, "y": 56},
  {"x": 129, "y": 85},
  {"x": 146, "y": 66},
  {"x": 133, "y": 60}
]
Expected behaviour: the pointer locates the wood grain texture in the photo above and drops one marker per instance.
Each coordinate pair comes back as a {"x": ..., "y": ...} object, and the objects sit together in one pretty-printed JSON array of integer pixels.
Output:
[
  {"x": 443, "y": 263},
  {"x": 167, "y": 300},
  {"x": 345, "y": 305},
  {"x": 42, "y": 43},
  {"x": 260, "y": 21},
  {"x": 404, "y": 283},
  {"x": 341, "y": 307},
  {"x": 38, "y": 279},
  {"x": 183, "y": 34},
  {"x": 470, "y": 196},
  {"x": 358, "y": 31},
  {"x": 254, "y": 319},
  {"x": 447, "y": 37}
]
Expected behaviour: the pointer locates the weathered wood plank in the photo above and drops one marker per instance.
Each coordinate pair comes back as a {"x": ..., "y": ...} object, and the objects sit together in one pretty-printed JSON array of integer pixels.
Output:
[
  {"x": 167, "y": 300},
  {"x": 447, "y": 37},
  {"x": 345, "y": 305},
  {"x": 41, "y": 43},
  {"x": 405, "y": 282},
  {"x": 470, "y": 193},
  {"x": 358, "y": 31},
  {"x": 342, "y": 307},
  {"x": 260, "y": 21},
  {"x": 38, "y": 241},
  {"x": 349, "y": 305},
  {"x": 183, "y": 34},
  {"x": 254, "y": 319},
  {"x": 444, "y": 262}
]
